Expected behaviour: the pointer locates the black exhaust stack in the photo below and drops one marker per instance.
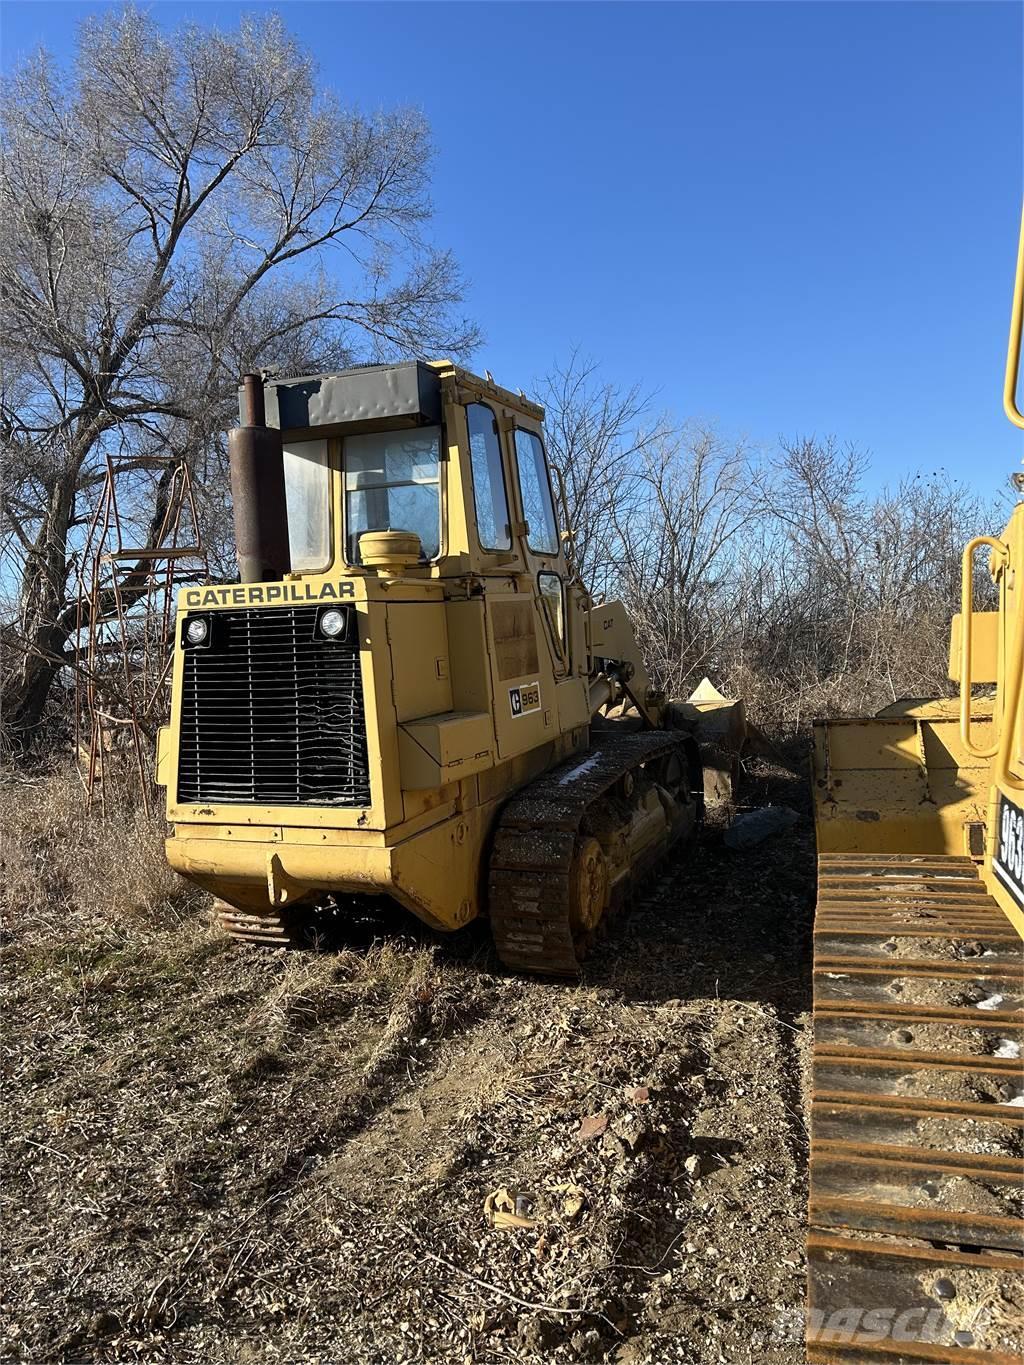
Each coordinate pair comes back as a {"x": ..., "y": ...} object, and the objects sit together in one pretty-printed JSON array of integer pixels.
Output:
[{"x": 257, "y": 490}]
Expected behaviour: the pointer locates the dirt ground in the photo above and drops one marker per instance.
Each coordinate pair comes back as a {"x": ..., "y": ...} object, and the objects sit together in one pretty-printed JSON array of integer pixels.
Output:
[{"x": 249, "y": 1157}]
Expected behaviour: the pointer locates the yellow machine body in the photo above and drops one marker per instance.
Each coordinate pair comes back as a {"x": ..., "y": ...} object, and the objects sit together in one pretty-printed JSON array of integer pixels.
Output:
[
  {"x": 478, "y": 667},
  {"x": 917, "y": 1084},
  {"x": 946, "y": 776}
]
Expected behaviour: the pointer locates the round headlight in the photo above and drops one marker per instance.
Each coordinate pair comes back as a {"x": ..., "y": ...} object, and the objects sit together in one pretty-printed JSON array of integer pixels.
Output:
[
  {"x": 196, "y": 631},
  {"x": 332, "y": 623}
]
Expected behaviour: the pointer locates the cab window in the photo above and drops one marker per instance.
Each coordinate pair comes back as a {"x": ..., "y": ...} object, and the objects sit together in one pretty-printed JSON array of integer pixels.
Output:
[
  {"x": 535, "y": 487},
  {"x": 307, "y": 493},
  {"x": 553, "y": 602},
  {"x": 392, "y": 483},
  {"x": 492, "y": 521}
]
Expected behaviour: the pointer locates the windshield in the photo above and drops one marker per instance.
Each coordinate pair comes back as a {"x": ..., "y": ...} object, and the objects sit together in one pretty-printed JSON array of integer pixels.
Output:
[{"x": 392, "y": 483}]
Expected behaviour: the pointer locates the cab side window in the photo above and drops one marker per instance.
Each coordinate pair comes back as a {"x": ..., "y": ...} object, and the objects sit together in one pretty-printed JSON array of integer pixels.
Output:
[
  {"x": 535, "y": 487},
  {"x": 553, "y": 601},
  {"x": 492, "y": 519},
  {"x": 307, "y": 495}
]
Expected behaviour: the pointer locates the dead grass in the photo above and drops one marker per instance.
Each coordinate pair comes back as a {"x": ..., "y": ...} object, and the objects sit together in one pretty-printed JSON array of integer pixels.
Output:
[
  {"x": 65, "y": 868},
  {"x": 261, "y": 1157}
]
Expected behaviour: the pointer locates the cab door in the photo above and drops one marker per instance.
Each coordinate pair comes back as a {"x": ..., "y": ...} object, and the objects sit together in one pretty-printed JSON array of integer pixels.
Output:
[{"x": 554, "y": 600}]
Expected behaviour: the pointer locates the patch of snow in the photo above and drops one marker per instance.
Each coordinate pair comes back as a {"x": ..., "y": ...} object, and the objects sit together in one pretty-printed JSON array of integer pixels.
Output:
[
  {"x": 1007, "y": 1048},
  {"x": 992, "y": 1003},
  {"x": 574, "y": 774}
]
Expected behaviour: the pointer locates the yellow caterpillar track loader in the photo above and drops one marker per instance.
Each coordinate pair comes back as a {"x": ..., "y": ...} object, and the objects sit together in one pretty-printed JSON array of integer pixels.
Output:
[
  {"x": 916, "y": 1243},
  {"x": 407, "y": 693}
]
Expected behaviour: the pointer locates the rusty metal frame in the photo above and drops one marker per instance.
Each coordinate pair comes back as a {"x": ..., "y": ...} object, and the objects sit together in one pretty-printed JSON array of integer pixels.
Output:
[{"x": 124, "y": 623}]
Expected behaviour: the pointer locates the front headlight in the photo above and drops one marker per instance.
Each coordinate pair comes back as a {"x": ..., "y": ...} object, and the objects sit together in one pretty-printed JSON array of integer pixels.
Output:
[
  {"x": 197, "y": 630},
  {"x": 332, "y": 623}
]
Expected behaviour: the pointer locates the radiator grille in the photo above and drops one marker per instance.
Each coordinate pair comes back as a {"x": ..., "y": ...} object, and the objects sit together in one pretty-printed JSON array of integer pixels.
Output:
[{"x": 273, "y": 714}]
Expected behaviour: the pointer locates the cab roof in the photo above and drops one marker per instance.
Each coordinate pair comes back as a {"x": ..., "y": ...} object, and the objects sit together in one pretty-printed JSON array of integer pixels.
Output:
[{"x": 405, "y": 394}]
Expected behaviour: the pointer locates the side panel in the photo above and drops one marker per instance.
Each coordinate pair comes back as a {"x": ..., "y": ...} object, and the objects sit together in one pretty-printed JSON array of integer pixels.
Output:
[
  {"x": 521, "y": 676},
  {"x": 1008, "y": 856},
  {"x": 573, "y": 704},
  {"x": 985, "y": 646},
  {"x": 1004, "y": 867},
  {"x": 467, "y": 649},
  {"x": 418, "y": 637},
  {"x": 514, "y": 637}
]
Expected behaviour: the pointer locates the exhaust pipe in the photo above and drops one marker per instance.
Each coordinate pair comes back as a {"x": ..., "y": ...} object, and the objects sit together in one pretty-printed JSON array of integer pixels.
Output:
[{"x": 257, "y": 490}]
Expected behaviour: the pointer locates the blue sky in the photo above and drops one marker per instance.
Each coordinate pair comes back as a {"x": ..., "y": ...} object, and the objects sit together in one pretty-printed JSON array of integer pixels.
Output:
[{"x": 793, "y": 218}]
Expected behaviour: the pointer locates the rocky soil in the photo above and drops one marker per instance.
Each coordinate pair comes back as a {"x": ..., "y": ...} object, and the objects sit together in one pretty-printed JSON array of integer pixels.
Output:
[{"x": 217, "y": 1155}]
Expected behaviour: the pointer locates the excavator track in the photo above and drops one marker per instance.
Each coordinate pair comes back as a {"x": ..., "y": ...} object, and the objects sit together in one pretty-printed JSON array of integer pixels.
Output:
[
  {"x": 537, "y": 839},
  {"x": 916, "y": 1118}
]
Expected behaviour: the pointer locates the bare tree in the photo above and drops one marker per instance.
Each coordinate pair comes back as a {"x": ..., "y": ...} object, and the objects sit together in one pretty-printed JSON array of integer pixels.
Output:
[
  {"x": 850, "y": 591},
  {"x": 786, "y": 577},
  {"x": 700, "y": 493},
  {"x": 597, "y": 433},
  {"x": 181, "y": 207}
]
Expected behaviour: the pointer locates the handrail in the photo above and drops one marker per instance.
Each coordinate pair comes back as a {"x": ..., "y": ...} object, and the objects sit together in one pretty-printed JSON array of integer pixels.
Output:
[
  {"x": 1013, "y": 720},
  {"x": 1012, "y": 375},
  {"x": 999, "y": 552}
]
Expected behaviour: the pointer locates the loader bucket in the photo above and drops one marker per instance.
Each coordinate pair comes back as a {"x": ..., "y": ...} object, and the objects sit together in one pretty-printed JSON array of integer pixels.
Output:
[
  {"x": 719, "y": 725},
  {"x": 901, "y": 782},
  {"x": 724, "y": 733}
]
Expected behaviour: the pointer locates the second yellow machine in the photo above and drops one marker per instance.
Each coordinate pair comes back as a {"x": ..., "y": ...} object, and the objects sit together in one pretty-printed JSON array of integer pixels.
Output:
[{"x": 408, "y": 693}]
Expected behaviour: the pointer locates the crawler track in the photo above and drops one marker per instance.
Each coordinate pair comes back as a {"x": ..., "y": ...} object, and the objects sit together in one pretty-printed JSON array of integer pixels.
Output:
[
  {"x": 536, "y": 837},
  {"x": 916, "y": 1171}
]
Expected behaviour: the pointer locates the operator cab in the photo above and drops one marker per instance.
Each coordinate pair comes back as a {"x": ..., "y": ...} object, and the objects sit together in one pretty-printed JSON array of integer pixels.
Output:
[{"x": 422, "y": 448}]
